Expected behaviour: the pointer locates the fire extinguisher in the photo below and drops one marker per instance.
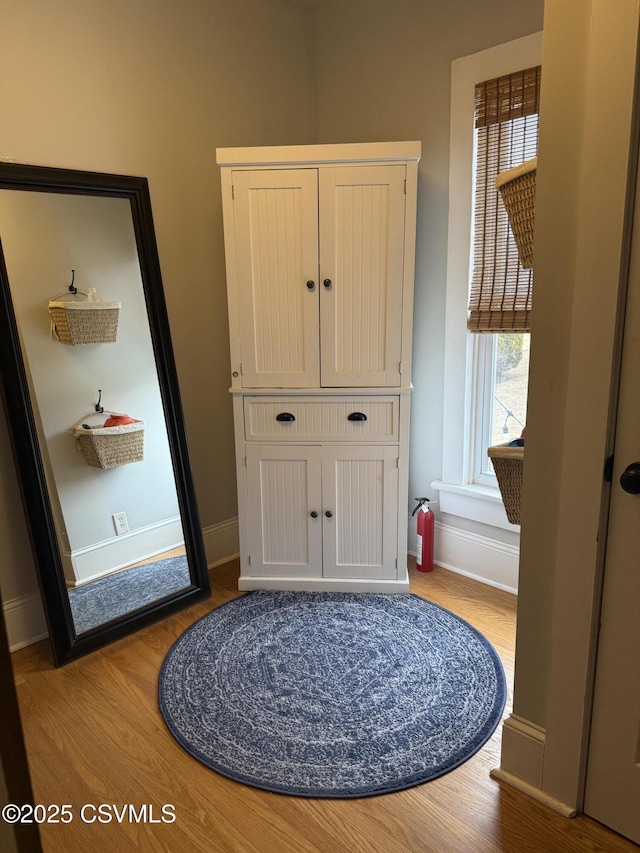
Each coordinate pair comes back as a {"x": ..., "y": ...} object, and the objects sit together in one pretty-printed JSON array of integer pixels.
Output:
[{"x": 426, "y": 519}]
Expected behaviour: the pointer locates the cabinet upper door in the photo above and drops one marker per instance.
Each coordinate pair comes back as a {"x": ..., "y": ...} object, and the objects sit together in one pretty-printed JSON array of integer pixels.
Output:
[
  {"x": 362, "y": 228},
  {"x": 276, "y": 238}
]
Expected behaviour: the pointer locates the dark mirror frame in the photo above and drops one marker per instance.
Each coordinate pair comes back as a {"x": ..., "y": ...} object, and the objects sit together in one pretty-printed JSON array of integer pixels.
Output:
[{"x": 19, "y": 412}]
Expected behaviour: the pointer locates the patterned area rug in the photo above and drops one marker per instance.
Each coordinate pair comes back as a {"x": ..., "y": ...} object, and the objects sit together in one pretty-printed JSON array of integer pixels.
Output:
[
  {"x": 331, "y": 694},
  {"x": 108, "y": 598}
]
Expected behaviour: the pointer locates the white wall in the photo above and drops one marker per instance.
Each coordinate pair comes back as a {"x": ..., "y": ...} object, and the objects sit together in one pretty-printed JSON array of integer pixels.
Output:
[
  {"x": 151, "y": 88},
  {"x": 383, "y": 72},
  {"x": 94, "y": 237}
]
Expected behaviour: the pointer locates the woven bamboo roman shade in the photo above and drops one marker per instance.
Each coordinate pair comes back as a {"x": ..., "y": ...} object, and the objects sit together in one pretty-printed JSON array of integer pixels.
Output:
[{"x": 506, "y": 136}]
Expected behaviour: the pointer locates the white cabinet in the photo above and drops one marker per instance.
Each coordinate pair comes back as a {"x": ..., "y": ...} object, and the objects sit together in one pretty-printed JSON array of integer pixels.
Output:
[
  {"x": 320, "y": 244},
  {"x": 322, "y": 512}
]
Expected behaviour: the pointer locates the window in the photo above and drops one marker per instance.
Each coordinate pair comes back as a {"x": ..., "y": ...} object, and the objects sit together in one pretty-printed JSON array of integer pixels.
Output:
[
  {"x": 483, "y": 392},
  {"x": 506, "y": 136},
  {"x": 501, "y": 377}
]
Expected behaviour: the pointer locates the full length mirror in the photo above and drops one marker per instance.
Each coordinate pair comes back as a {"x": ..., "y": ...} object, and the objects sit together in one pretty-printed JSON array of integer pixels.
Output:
[{"x": 93, "y": 406}]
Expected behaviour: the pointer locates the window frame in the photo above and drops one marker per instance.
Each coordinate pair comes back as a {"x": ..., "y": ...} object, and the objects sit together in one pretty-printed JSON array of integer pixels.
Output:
[
  {"x": 459, "y": 495},
  {"x": 483, "y": 367}
]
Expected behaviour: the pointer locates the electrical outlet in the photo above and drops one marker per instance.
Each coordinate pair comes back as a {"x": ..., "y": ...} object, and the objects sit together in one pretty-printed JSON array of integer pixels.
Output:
[{"x": 120, "y": 523}]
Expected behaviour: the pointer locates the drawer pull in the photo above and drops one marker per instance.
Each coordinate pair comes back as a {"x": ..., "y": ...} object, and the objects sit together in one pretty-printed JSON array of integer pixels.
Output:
[
  {"x": 285, "y": 416},
  {"x": 357, "y": 416},
  {"x": 329, "y": 514},
  {"x": 314, "y": 514}
]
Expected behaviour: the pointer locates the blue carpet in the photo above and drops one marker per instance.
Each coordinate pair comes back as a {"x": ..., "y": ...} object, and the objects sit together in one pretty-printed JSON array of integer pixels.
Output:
[
  {"x": 123, "y": 592},
  {"x": 331, "y": 694}
]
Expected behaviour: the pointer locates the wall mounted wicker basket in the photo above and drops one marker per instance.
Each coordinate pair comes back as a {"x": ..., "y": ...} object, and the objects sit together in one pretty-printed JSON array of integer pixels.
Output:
[
  {"x": 79, "y": 323},
  {"x": 508, "y": 463},
  {"x": 518, "y": 190},
  {"x": 109, "y": 447}
]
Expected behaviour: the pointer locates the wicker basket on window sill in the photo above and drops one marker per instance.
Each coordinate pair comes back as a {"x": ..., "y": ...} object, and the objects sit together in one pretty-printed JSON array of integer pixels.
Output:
[
  {"x": 508, "y": 463},
  {"x": 518, "y": 190}
]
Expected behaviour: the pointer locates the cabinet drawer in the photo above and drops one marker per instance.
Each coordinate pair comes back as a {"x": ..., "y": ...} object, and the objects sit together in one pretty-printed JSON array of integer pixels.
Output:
[{"x": 342, "y": 418}]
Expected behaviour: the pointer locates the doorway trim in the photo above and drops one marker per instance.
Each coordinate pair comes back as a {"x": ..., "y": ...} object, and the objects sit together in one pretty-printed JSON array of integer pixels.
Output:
[{"x": 588, "y": 109}]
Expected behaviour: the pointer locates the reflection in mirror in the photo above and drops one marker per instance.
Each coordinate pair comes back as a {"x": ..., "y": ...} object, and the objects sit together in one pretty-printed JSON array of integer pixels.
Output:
[{"x": 122, "y": 519}]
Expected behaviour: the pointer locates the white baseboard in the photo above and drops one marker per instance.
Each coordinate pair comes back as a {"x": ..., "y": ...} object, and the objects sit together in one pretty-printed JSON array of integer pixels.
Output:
[
  {"x": 25, "y": 621},
  {"x": 478, "y": 557},
  {"x": 523, "y": 750},
  {"x": 541, "y": 796},
  {"x": 221, "y": 542},
  {"x": 94, "y": 562},
  {"x": 521, "y": 765},
  {"x": 24, "y": 616}
]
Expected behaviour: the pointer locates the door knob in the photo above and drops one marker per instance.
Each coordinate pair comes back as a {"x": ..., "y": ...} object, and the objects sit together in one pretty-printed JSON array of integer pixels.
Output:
[
  {"x": 329, "y": 514},
  {"x": 327, "y": 283},
  {"x": 630, "y": 478},
  {"x": 314, "y": 514},
  {"x": 311, "y": 285}
]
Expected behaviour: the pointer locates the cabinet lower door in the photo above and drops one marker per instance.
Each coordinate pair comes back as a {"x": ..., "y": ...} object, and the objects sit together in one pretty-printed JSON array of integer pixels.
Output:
[
  {"x": 360, "y": 491},
  {"x": 284, "y": 488}
]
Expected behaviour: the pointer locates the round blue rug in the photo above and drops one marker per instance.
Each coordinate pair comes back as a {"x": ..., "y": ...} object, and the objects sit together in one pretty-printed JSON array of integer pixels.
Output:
[{"x": 321, "y": 694}]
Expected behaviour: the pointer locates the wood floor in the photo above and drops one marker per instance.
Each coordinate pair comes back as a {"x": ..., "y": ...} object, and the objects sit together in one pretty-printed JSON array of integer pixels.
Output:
[{"x": 94, "y": 735}]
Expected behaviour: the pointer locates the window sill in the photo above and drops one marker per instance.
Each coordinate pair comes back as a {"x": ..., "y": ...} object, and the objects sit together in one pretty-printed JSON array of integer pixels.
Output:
[{"x": 476, "y": 503}]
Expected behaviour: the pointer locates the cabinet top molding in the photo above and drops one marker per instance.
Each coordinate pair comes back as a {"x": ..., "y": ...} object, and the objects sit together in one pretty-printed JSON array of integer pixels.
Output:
[{"x": 290, "y": 155}]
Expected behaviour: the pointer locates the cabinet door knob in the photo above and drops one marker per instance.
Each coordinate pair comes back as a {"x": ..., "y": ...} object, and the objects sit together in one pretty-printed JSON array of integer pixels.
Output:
[
  {"x": 314, "y": 514},
  {"x": 357, "y": 416},
  {"x": 329, "y": 514},
  {"x": 285, "y": 416},
  {"x": 311, "y": 285},
  {"x": 327, "y": 283}
]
